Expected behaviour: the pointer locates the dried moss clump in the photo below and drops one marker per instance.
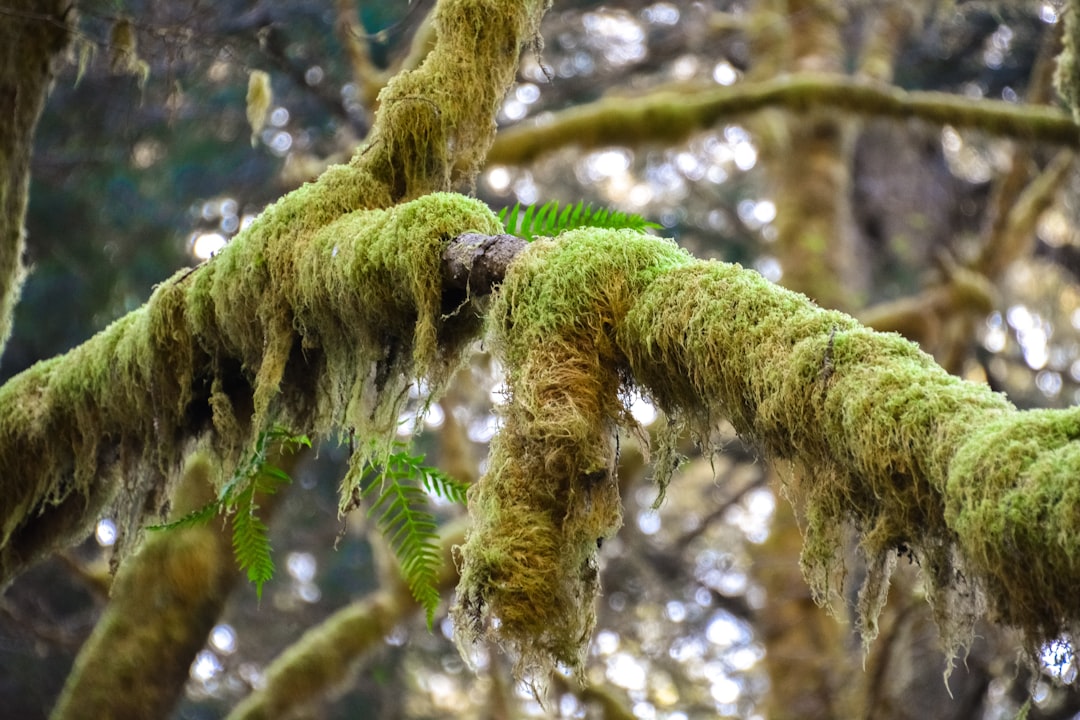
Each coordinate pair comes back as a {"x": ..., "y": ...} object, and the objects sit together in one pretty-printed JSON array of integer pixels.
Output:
[{"x": 529, "y": 574}]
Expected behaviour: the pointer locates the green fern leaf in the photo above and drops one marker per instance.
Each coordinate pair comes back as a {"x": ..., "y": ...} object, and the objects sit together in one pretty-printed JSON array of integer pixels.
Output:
[
  {"x": 251, "y": 542},
  {"x": 255, "y": 475},
  {"x": 270, "y": 478},
  {"x": 547, "y": 220},
  {"x": 400, "y": 506},
  {"x": 200, "y": 516},
  {"x": 564, "y": 219},
  {"x": 439, "y": 483}
]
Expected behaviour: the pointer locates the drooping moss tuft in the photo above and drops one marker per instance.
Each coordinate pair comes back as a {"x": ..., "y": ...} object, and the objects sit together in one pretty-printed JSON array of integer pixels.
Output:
[
  {"x": 907, "y": 456},
  {"x": 353, "y": 311},
  {"x": 529, "y": 575}
]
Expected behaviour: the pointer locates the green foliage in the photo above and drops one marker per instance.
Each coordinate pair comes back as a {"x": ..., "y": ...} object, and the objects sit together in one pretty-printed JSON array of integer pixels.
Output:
[
  {"x": 239, "y": 498},
  {"x": 397, "y": 492},
  {"x": 547, "y": 220}
]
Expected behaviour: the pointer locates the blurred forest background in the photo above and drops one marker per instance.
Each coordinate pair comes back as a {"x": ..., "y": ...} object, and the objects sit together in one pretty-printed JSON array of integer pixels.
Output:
[{"x": 966, "y": 241}]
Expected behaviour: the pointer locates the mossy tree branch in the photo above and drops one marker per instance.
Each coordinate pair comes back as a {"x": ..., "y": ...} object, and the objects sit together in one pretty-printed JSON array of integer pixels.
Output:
[
  {"x": 673, "y": 116},
  {"x": 213, "y": 347},
  {"x": 322, "y": 313},
  {"x": 166, "y": 598},
  {"x": 910, "y": 456},
  {"x": 32, "y": 35},
  {"x": 321, "y": 331}
]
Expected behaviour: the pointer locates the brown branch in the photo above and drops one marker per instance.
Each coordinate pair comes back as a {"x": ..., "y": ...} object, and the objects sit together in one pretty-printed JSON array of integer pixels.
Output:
[
  {"x": 322, "y": 658},
  {"x": 671, "y": 116},
  {"x": 477, "y": 263}
]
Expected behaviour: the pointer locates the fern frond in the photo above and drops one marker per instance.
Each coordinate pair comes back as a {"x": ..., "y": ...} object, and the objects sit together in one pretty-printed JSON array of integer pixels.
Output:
[
  {"x": 255, "y": 475},
  {"x": 548, "y": 221},
  {"x": 199, "y": 516},
  {"x": 439, "y": 483},
  {"x": 251, "y": 543},
  {"x": 398, "y": 497}
]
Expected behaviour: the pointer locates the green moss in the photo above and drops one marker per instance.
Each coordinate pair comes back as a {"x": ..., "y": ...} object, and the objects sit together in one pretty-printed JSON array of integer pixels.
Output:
[
  {"x": 320, "y": 330},
  {"x": 1013, "y": 499},
  {"x": 894, "y": 449},
  {"x": 871, "y": 420},
  {"x": 358, "y": 304},
  {"x": 164, "y": 601},
  {"x": 529, "y": 575},
  {"x": 436, "y": 122}
]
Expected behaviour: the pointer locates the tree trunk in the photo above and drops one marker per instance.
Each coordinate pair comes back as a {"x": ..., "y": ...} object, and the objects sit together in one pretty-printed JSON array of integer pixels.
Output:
[{"x": 33, "y": 34}]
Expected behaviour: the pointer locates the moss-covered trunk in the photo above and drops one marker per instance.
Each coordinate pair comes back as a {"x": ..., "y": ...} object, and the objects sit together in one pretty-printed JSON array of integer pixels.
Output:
[
  {"x": 164, "y": 601},
  {"x": 33, "y": 33}
]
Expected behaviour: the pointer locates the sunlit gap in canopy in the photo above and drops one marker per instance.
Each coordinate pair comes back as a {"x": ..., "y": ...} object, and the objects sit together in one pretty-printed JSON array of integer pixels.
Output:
[{"x": 219, "y": 220}]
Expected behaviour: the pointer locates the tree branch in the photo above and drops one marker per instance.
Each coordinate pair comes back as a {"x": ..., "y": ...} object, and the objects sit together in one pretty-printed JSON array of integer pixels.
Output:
[
  {"x": 164, "y": 602},
  {"x": 219, "y": 348},
  {"x": 912, "y": 457},
  {"x": 672, "y": 116},
  {"x": 32, "y": 36}
]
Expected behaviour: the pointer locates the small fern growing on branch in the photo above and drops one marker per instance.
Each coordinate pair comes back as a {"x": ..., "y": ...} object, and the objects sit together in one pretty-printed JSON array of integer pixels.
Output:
[
  {"x": 397, "y": 493},
  {"x": 547, "y": 220},
  {"x": 239, "y": 498}
]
